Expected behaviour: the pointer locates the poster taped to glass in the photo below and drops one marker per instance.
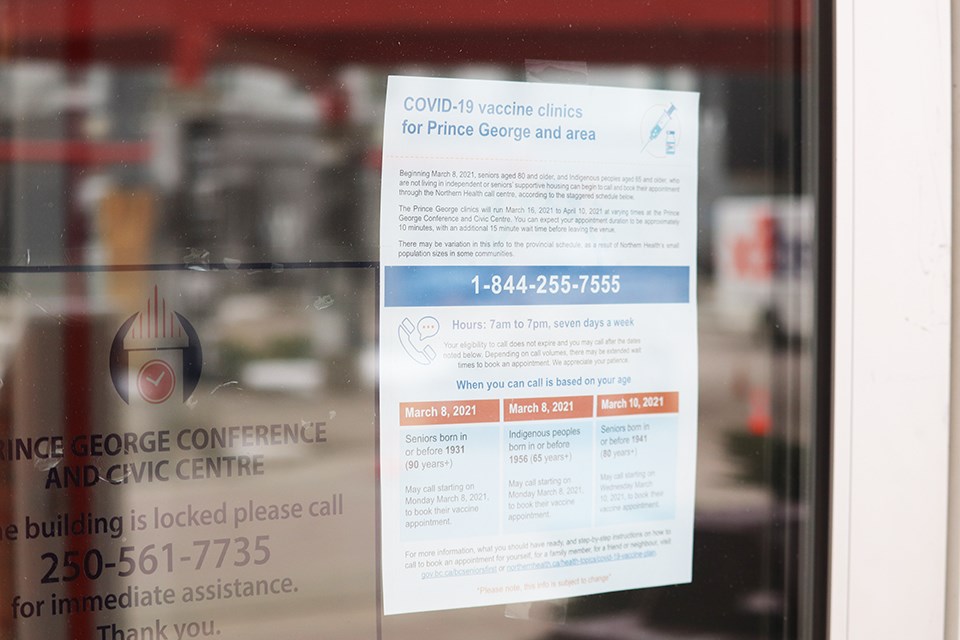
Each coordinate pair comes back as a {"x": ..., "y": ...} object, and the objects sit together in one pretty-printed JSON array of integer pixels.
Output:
[{"x": 538, "y": 341}]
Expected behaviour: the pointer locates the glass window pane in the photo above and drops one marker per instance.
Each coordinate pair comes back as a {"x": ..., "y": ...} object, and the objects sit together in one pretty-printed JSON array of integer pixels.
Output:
[{"x": 192, "y": 368}]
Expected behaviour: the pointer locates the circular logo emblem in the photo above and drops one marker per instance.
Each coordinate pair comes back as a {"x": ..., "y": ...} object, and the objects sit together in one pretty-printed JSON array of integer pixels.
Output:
[
  {"x": 156, "y": 354},
  {"x": 156, "y": 381}
]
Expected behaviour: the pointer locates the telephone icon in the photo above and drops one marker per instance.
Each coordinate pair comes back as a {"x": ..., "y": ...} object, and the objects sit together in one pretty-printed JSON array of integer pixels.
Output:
[{"x": 415, "y": 339}]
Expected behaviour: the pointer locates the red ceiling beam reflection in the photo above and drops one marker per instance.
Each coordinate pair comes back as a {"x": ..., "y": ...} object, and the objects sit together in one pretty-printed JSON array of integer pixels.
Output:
[
  {"x": 45, "y": 18},
  {"x": 73, "y": 152},
  {"x": 188, "y": 35}
]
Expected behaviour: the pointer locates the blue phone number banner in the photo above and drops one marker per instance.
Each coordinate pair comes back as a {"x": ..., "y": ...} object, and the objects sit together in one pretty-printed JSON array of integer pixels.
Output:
[{"x": 467, "y": 286}]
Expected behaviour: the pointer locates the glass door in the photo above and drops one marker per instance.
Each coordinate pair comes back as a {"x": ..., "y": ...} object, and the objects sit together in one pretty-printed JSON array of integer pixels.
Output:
[{"x": 384, "y": 321}]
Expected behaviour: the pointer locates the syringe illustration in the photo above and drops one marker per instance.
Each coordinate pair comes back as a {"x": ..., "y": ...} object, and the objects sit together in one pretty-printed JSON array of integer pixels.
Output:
[{"x": 660, "y": 124}]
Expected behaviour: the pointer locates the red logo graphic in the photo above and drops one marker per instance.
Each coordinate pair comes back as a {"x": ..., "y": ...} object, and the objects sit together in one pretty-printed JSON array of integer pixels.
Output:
[
  {"x": 155, "y": 353},
  {"x": 156, "y": 381}
]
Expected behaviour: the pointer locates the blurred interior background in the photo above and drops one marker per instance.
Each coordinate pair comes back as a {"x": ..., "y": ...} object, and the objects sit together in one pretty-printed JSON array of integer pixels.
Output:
[{"x": 231, "y": 151}]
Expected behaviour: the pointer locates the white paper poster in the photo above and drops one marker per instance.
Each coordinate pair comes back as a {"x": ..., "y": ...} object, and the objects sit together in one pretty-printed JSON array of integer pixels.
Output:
[{"x": 538, "y": 341}]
